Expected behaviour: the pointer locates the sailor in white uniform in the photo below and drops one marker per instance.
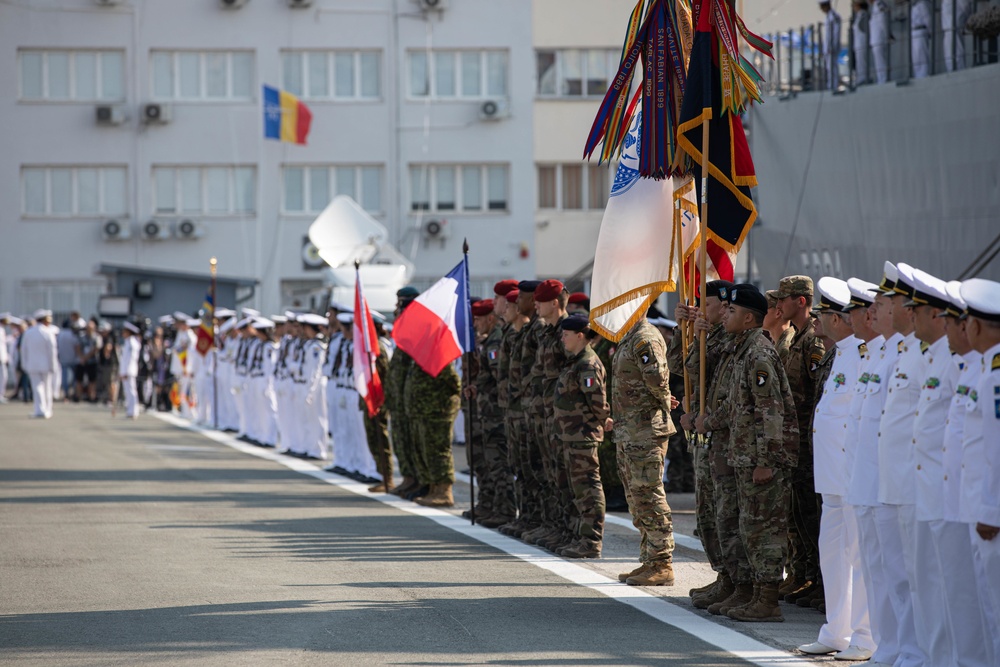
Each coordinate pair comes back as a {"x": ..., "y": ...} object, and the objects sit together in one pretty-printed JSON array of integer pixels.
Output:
[
  {"x": 128, "y": 368},
  {"x": 40, "y": 360},
  {"x": 310, "y": 389},
  {"x": 880, "y": 35},
  {"x": 921, "y": 16},
  {"x": 831, "y": 44}
]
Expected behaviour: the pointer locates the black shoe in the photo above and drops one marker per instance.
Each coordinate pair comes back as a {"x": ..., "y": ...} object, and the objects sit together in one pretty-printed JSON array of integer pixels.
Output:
[
  {"x": 337, "y": 470},
  {"x": 422, "y": 491}
]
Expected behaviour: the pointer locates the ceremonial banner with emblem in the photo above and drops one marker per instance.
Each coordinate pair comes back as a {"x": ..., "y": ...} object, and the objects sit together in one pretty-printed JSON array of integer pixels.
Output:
[{"x": 206, "y": 331}]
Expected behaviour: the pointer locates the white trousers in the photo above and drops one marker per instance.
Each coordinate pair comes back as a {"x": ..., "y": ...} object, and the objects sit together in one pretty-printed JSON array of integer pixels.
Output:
[
  {"x": 885, "y": 631},
  {"x": 131, "y": 396},
  {"x": 920, "y": 50},
  {"x": 956, "y": 61},
  {"x": 314, "y": 421},
  {"x": 847, "y": 622},
  {"x": 204, "y": 409},
  {"x": 3, "y": 379},
  {"x": 972, "y": 638},
  {"x": 891, "y": 539},
  {"x": 240, "y": 403},
  {"x": 41, "y": 388},
  {"x": 930, "y": 600},
  {"x": 986, "y": 557},
  {"x": 832, "y": 71},
  {"x": 184, "y": 385},
  {"x": 860, "y": 72},
  {"x": 287, "y": 419},
  {"x": 880, "y": 54},
  {"x": 350, "y": 444}
]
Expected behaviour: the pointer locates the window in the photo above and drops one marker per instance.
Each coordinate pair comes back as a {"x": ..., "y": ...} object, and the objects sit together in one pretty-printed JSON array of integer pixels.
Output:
[
  {"x": 332, "y": 75},
  {"x": 77, "y": 76},
  {"x": 458, "y": 74},
  {"x": 573, "y": 187},
  {"x": 73, "y": 191},
  {"x": 309, "y": 189},
  {"x": 576, "y": 72},
  {"x": 204, "y": 190},
  {"x": 202, "y": 75},
  {"x": 462, "y": 188}
]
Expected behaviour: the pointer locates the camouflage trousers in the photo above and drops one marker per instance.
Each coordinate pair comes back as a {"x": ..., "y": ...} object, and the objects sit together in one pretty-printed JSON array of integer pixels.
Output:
[
  {"x": 433, "y": 436},
  {"x": 532, "y": 467},
  {"x": 513, "y": 429},
  {"x": 680, "y": 472},
  {"x": 377, "y": 431},
  {"x": 402, "y": 443},
  {"x": 727, "y": 519},
  {"x": 803, "y": 529},
  {"x": 557, "y": 496},
  {"x": 586, "y": 511},
  {"x": 704, "y": 506},
  {"x": 640, "y": 464},
  {"x": 764, "y": 523},
  {"x": 610, "y": 479},
  {"x": 493, "y": 473}
]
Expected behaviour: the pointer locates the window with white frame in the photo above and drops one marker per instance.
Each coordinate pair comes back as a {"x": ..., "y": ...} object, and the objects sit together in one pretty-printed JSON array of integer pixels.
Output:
[
  {"x": 202, "y": 75},
  {"x": 71, "y": 76},
  {"x": 310, "y": 188},
  {"x": 457, "y": 74},
  {"x": 204, "y": 190},
  {"x": 573, "y": 187},
  {"x": 332, "y": 75},
  {"x": 576, "y": 72},
  {"x": 67, "y": 191},
  {"x": 464, "y": 188}
]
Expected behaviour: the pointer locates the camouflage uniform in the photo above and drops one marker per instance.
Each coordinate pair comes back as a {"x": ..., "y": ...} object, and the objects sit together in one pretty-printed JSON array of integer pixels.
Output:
[
  {"x": 784, "y": 343},
  {"x": 377, "y": 427},
  {"x": 641, "y": 410},
  {"x": 580, "y": 409},
  {"x": 509, "y": 388},
  {"x": 496, "y": 483},
  {"x": 763, "y": 433},
  {"x": 432, "y": 404},
  {"x": 610, "y": 478},
  {"x": 531, "y": 403},
  {"x": 557, "y": 494},
  {"x": 802, "y": 366},
  {"x": 395, "y": 390}
]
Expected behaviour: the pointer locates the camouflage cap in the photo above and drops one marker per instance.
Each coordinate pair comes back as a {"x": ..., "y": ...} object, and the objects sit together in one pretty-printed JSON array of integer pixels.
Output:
[
  {"x": 772, "y": 298},
  {"x": 794, "y": 286}
]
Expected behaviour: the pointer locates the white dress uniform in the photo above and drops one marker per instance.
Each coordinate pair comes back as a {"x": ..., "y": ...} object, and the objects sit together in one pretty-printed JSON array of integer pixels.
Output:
[
  {"x": 879, "y": 35},
  {"x": 311, "y": 392},
  {"x": 332, "y": 359},
  {"x": 129, "y": 371},
  {"x": 226, "y": 358},
  {"x": 39, "y": 359},
  {"x": 954, "y": 16},
  {"x": 831, "y": 48},
  {"x": 262, "y": 390},
  {"x": 241, "y": 379},
  {"x": 202, "y": 374},
  {"x": 847, "y": 623},
  {"x": 285, "y": 369},
  {"x": 859, "y": 34},
  {"x": 921, "y": 16}
]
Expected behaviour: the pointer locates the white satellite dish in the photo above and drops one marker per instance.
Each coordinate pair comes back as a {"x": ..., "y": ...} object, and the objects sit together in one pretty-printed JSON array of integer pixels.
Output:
[{"x": 344, "y": 233}]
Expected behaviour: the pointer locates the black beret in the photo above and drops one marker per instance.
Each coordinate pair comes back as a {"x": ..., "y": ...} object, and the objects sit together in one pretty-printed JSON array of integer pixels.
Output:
[
  {"x": 575, "y": 322},
  {"x": 748, "y": 296},
  {"x": 528, "y": 285},
  {"x": 719, "y": 289}
]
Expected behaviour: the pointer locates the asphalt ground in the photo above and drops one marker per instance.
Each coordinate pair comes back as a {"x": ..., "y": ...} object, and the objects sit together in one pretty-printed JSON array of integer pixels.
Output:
[{"x": 146, "y": 542}]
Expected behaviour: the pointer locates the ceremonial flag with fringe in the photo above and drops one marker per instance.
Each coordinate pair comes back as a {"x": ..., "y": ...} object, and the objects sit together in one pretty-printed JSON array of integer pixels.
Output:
[
  {"x": 632, "y": 265},
  {"x": 206, "y": 331},
  {"x": 366, "y": 350},
  {"x": 721, "y": 263}
]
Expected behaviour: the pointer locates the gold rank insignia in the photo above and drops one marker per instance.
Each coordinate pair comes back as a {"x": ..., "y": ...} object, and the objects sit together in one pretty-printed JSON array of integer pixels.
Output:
[
  {"x": 901, "y": 347},
  {"x": 924, "y": 347},
  {"x": 996, "y": 362},
  {"x": 863, "y": 349}
]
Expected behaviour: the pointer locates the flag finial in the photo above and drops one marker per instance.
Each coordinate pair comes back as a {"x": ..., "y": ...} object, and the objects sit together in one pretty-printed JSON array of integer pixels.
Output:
[
  {"x": 357, "y": 265},
  {"x": 465, "y": 246}
]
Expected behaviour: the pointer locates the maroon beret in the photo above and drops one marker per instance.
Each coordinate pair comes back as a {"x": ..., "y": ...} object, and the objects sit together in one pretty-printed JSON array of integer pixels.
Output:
[
  {"x": 512, "y": 295},
  {"x": 549, "y": 290},
  {"x": 482, "y": 307},
  {"x": 504, "y": 287}
]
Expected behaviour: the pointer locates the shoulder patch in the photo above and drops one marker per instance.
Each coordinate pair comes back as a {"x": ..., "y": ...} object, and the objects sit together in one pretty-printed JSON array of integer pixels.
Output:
[
  {"x": 762, "y": 378},
  {"x": 996, "y": 362},
  {"x": 644, "y": 352},
  {"x": 814, "y": 361},
  {"x": 493, "y": 355}
]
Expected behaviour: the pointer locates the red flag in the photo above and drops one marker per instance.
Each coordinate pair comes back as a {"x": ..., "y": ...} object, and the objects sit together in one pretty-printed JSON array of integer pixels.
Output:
[
  {"x": 206, "y": 332},
  {"x": 366, "y": 350}
]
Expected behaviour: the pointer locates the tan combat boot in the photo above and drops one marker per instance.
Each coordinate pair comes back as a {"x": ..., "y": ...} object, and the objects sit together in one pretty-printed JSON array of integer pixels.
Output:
[
  {"x": 660, "y": 573},
  {"x": 723, "y": 589},
  {"x": 764, "y": 609},
  {"x": 742, "y": 594},
  {"x": 705, "y": 589},
  {"x": 439, "y": 496},
  {"x": 623, "y": 577}
]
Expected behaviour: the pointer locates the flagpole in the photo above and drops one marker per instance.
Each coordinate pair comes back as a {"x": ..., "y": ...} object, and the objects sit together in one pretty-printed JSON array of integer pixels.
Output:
[
  {"x": 467, "y": 382},
  {"x": 685, "y": 325},
  {"x": 215, "y": 357},
  {"x": 383, "y": 450},
  {"x": 703, "y": 231}
]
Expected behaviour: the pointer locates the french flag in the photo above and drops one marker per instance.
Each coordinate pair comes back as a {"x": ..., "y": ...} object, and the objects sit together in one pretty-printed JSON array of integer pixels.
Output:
[{"x": 436, "y": 328}]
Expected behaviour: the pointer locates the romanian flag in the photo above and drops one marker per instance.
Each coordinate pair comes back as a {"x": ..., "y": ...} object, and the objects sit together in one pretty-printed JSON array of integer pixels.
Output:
[
  {"x": 286, "y": 118},
  {"x": 206, "y": 332},
  {"x": 713, "y": 75}
]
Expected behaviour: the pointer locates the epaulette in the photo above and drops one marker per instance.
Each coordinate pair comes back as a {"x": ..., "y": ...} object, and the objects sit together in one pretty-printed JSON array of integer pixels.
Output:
[
  {"x": 996, "y": 362},
  {"x": 863, "y": 349},
  {"x": 901, "y": 347},
  {"x": 924, "y": 347}
]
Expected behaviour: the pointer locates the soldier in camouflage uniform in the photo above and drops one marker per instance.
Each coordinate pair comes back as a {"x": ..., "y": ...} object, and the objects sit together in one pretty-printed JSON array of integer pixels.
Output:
[
  {"x": 614, "y": 490},
  {"x": 580, "y": 412},
  {"x": 400, "y": 424},
  {"x": 641, "y": 412},
  {"x": 780, "y": 330},
  {"x": 432, "y": 402},
  {"x": 794, "y": 301},
  {"x": 762, "y": 448},
  {"x": 509, "y": 388},
  {"x": 530, "y": 380}
]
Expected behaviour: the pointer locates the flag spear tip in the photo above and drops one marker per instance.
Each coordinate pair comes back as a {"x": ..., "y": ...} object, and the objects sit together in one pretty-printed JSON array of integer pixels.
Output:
[
  {"x": 465, "y": 246},
  {"x": 357, "y": 265}
]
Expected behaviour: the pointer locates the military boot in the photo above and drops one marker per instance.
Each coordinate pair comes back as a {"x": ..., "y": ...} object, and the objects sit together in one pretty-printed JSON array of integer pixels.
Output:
[
  {"x": 623, "y": 577},
  {"x": 440, "y": 496},
  {"x": 418, "y": 492},
  {"x": 741, "y": 594},
  {"x": 582, "y": 548},
  {"x": 807, "y": 601},
  {"x": 750, "y": 602},
  {"x": 710, "y": 587},
  {"x": 765, "y": 609},
  {"x": 512, "y": 528},
  {"x": 529, "y": 536},
  {"x": 660, "y": 573},
  {"x": 723, "y": 589},
  {"x": 492, "y": 521},
  {"x": 404, "y": 487}
]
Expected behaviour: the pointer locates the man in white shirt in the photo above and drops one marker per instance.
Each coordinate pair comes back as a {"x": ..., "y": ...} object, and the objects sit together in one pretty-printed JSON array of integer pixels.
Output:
[
  {"x": 39, "y": 359},
  {"x": 128, "y": 368}
]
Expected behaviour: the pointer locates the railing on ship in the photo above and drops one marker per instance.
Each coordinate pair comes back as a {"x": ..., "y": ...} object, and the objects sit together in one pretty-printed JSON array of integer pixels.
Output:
[{"x": 800, "y": 63}]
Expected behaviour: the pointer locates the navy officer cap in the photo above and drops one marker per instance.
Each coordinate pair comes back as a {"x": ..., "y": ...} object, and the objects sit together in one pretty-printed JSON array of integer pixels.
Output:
[
  {"x": 748, "y": 296},
  {"x": 576, "y": 322}
]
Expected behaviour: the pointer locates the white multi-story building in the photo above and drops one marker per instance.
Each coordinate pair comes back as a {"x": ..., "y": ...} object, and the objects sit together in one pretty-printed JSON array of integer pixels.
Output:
[{"x": 148, "y": 113}]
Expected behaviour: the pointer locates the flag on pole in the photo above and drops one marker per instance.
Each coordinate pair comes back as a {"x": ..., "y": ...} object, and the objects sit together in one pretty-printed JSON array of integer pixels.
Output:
[
  {"x": 632, "y": 262},
  {"x": 721, "y": 262},
  {"x": 206, "y": 331},
  {"x": 286, "y": 118},
  {"x": 366, "y": 350},
  {"x": 436, "y": 328}
]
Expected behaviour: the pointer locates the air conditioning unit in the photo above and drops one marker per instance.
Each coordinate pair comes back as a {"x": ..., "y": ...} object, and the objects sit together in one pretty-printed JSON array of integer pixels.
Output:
[
  {"x": 108, "y": 3},
  {"x": 116, "y": 230},
  {"x": 232, "y": 4},
  {"x": 433, "y": 5},
  {"x": 189, "y": 230},
  {"x": 110, "y": 114},
  {"x": 155, "y": 113},
  {"x": 155, "y": 230},
  {"x": 311, "y": 261},
  {"x": 435, "y": 230},
  {"x": 494, "y": 110},
  {"x": 299, "y": 4}
]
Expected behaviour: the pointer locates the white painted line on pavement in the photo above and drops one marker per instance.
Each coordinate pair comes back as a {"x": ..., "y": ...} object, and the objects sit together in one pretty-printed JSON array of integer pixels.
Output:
[{"x": 730, "y": 641}]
